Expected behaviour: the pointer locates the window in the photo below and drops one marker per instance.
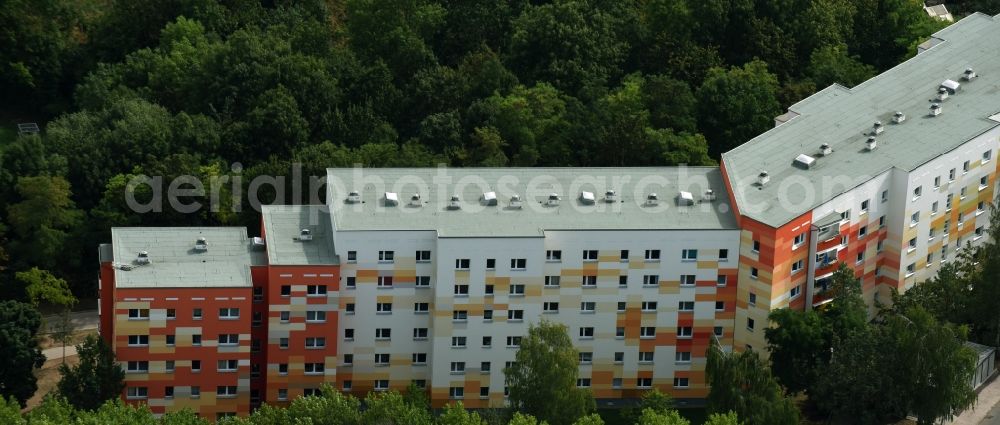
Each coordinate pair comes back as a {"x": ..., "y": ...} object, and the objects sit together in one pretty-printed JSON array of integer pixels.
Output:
[
  {"x": 649, "y": 306},
  {"x": 795, "y": 291},
  {"x": 650, "y": 280},
  {"x": 421, "y": 307},
  {"x": 552, "y": 281},
  {"x": 682, "y": 357},
  {"x": 196, "y": 339},
  {"x": 588, "y": 307},
  {"x": 619, "y": 357},
  {"x": 864, "y": 207},
  {"x": 645, "y": 357},
  {"x": 753, "y": 299},
  {"x": 513, "y": 341},
  {"x": 196, "y": 314},
  {"x": 283, "y": 367},
  {"x": 196, "y": 365},
  {"x": 487, "y": 341},
  {"x": 553, "y": 255},
  {"x": 283, "y": 392},
  {"x": 756, "y": 246},
  {"x": 484, "y": 392},
  {"x": 680, "y": 382},
  {"x": 965, "y": 167},
  {"x": 753, "y": 272},
  {"x": 518, "y": 263},
  {"x": 910, "y": 269},
  {"x": 456, "y": 393},
  {"x": 718, "y": 331},
  {"x": 550, "y": 307},
  {"x": 457, "y": 368},
  {"x": 134, "y": 393},
  {"x": 491, "y": 263},
  {"x": 687, "y": 280},
  {"x": 422, "y": 281},
  {"x": 800, "y": 239},
  {"x": 137, "y": 367},
  {"x": 285, "y": 316},
  {"x": 420, "y": 333},
  {"x": 462, "y": 263},
  {"x": 352, "y": 256},
  {"x": 623, "y": 256},
  {"x": 980, "y": 208},
  {"x": 283, "y": 343},
  {"x": 169, "y": 366},
  {"x": 138, "y": 314},
  {"x": 320, "y": 290},
  {"x": 349, "y": 334},
  {"x": 913, "y": 244},
  {"x": 484, "y": 367},
  {"x": 720, "y": 306},
  {"x": 517, "y": 315},
  {"x": 586, "y": 332},
  {"x": 171, "y": 314},
  {"x": 318, "y": 316},
  {"x": 885, "y": 195},
  {"x": 516, "y": 289},
  {"x": 979, "y": 233},
  {"x": 620, "y": 332},
  {"x": 685, "y": 305},
  {"x": 459, "y": 315},
  {"x": 383, "y": 334},
  {"x": 386, "y": 256},
  {"x": 381, "y": 385},
  {"x": 225, "y": 391},
  {"x": 138, "y": 340},
  {"x": 622, "y": 281},
  {"x": 930, "y": 259},
  {"x": 168, "y": 392},
  {"x": 383, "y": 308},
  {"x": 917, "y": 191},
  {"x": 586, "y": 357},
  {"x": 487, "y": 315},
  {"x": 644, "y": 383},
  {"x": 723, "y": 255},
  {"x": 862, "y": 232},
  {"x": 258, "y": 294},
  {"x": 689, "y": 255},
  {"x": 461, "y": 290},
  {"x": 258, "y": 319},
  {"x": 654, "y": 254},
  {"x": 381, "y": 359},
  {"x": 227, "y": 365},
  {"x": 721, "y": 280},
  {"x": 797, "y": 266},
  {"x": 984, "y": 181},
  {"x": 352, "y": 282},
  {"x": 987, "y": 155},
  {"x": 647, "y": 332},
  {"x": 589, "y": 281},
  {"x": 583, "y": 382},
  {"x": 385, "y": 281},
  {"x": 423, "y": 256},
  {"x": 621, "y": 306},
  {"x": 750, "y": 324},
  {"x": 229, "y": 339},
  {"x": 590, "y": 255},
  {"x": 195, "y": 392},
  {"x": 315, "y": 342}
]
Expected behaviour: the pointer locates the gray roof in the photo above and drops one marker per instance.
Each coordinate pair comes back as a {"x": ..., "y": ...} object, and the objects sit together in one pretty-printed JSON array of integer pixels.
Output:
[
  {"x": 282, "y": 227},
  {"x": 175, "y": 262},
  {"x": 533, "y": 185},
  {"x": 841, "y": 117}
]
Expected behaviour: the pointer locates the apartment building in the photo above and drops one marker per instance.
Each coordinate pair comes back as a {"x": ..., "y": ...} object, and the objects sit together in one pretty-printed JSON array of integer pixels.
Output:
[{"x": 433, "y": 276}]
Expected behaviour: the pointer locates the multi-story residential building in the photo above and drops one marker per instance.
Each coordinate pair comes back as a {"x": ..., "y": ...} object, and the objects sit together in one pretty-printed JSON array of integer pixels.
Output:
[{"x": 432, "y": 276}]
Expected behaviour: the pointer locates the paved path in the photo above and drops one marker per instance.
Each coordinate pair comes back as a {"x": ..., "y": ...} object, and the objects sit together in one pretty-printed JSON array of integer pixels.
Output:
[
  {"x": 986, "y": 410},
  {"x": 81, "y": 320},
  {"x": 55, "y": 353}
]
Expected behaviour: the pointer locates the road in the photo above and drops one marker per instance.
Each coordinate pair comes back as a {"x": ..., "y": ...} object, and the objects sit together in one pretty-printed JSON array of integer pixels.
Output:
[
  {"x": 81, "y": 320},
  {"x": 993, "y": 417}
]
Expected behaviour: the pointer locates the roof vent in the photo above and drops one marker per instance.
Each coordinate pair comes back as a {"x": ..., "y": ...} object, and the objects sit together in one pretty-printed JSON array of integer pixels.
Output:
[
  {"x": 553, "y": 199},
  {"x": 877, "y": 128},
  {"x": 354, "y": 197},
  {"x": 587, "y": 198},
  {"x": 652, "y": 199},
  {"x": 763, "y": 178},
  {"x": 935, "y": 109},
  {"x": 515, "y": 201},
  {"x": 825, "y": 149},
  {"x": 709, "y": 195},
  {"x": 898, "y": 117},
  {"x": 805, "y": 161},
  {"x": 870, "y": 144},
  {"x": 415, "y": 200},
  {"x": 610, "y": 196},
  {"x": 305, "y": 235},
  {"x": 455, "y": 203},
  {"x": 391, "y": 199},
  {"x": 685, "y": 198},
  {"x": 969, "y": 74},
  {"x": 490, "y": 198},
  {"x": 143, "y": 258},
  {"x": 951, "y": 85},
  {"x": 942, "y": 94},
  {"x": 201, "y": 245}
]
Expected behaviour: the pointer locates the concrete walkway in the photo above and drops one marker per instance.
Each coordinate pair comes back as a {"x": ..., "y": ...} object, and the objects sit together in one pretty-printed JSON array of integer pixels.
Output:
[
  {"x": 55, "y": 353},
  {"x": 81, "y": 320},
  {"x": 989, "y": 400}
]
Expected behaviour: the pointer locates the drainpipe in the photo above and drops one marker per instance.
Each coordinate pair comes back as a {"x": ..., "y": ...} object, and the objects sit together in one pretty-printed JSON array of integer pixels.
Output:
[{"x": 811, "y": 271}]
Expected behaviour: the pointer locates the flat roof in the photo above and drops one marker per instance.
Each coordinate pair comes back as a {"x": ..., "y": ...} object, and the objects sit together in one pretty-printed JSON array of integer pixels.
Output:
[
  {"x": 843, "y": 118},
  {"x": 175, "y": 263},
  {"x": 476, "y": 218},
  {"x": 283, "y": 225}
]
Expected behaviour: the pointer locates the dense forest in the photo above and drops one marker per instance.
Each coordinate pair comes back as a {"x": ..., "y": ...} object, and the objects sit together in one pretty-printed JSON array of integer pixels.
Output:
[{"x": 189, "y": 87}]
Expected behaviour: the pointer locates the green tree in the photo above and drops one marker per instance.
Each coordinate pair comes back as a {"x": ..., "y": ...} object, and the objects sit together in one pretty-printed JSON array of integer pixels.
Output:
[
  {"x": 54, "y": 410},
  {"x": 96, "y": 379},
  {"x": 455, "y": 414},
  {"x": 395, "y": 32},
  {"x": 533, "y": 121},
  {"x": 736, "y": 105},
  {"x": 542, "y": 379},
  {"x": 19, "y": 323},
  {"x": 42, "y": 286},
  {"x": 799, "y": 346},
  {"x": 728, "y": 418},
  {"x": 591, "y": 419},
  {"x": 982, "y": 311},
  {"x": 183, "y": 417},
  {"x": 388, "y": 408},
  {"x": 831, "y": 64},
  {"x": 10, "y": 411},
  {"x": 43, "y": 220},
  {"x": 522, "y": 419},
  {"x": 653, "y": 417},
  {"x": 742, "y": 383}
]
